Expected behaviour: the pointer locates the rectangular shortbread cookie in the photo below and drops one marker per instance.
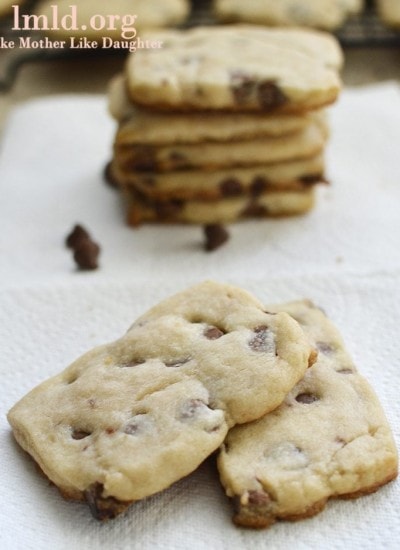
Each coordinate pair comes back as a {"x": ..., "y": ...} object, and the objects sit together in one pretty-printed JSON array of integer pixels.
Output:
[
  {"x": 219, "y": 184},
  {"x": 209, "y": 156},
  {"x": 144, "y": 126},
  {"x": 237, "y": 69},
  {"x": 130, "y": 418},
  {"x": 329, "y": 438},
  {"x": 141, "y": 209}
]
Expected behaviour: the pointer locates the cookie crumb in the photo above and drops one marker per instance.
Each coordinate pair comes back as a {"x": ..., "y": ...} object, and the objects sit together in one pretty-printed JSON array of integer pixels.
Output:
[
  {"x": 86, "y": 254},
  {"x": 216, "y": 235},
  {"x": 77, "y": 234},
  {"x": 85, "y": 250}
]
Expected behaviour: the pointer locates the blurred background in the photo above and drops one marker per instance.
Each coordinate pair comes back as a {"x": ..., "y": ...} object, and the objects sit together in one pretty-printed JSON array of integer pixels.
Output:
[{"x": 372, "y": 53}]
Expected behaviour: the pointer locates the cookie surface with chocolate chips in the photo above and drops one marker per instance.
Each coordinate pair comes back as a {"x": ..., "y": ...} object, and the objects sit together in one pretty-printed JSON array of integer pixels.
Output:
[
  {"x": 130, "y": 418},
  {"x": 226, "y": 182},
  {"x": 274, "y": 203},
  {"x": 237, "y": 69},
  {"x": 306, "y": 143},
  {"x": 329, "y": 438}
]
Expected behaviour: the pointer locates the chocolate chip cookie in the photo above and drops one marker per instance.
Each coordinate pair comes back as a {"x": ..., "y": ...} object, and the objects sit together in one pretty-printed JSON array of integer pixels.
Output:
[
  {"x": 130, "y": 418},
  {"x": 329, "y": 438},
  {"x": 237, "y": 69}
]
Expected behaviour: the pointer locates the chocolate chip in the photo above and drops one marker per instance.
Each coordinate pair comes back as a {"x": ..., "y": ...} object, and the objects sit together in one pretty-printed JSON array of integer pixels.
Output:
[
  {"x": 260, "y": 342},
  {"x": 306, "y": 398},
  {"x": 177, "y": 157},
  {"x": 138, "y": 424},
  {"x": 258, "y": 498},
  {"x": 132, "y": 363},
  {"x": 144, "y": 159},
  {"x": 148, "y": 181},
  {"x": 312, "y": 179},
  {"x": 77, "y": 234},
  {"x": 231, "y": 187},
  {"x": 72, "y": 379},
  {"x": 167, "y": 210},
  {"x": 213, "y": 333},
  {"x": 191, "y": 408},
  {"x": 86, "y": 254},
  {"x": 216, "y": 235},
  {"x": 109, "y": 177},
  {"x": 79, "y": 434},
  {"x": 103, "y": 508},
  {"x": 177, "y": 362},
  {"x": 254, "y": 210},
  {"x": 258, "y": 186},
  {"x": 242, "y": 86},
  {"x": 270, "y": 96},
  {"x": 325, "y": 348}
]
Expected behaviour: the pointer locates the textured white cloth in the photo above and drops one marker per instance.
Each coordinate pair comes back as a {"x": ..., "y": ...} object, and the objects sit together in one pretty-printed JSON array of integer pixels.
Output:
[{"x": 344, "y": 256}]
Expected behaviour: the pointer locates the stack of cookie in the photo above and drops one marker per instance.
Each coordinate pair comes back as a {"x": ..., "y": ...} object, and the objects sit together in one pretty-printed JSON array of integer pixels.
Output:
[{"x": 223, "y": 124}]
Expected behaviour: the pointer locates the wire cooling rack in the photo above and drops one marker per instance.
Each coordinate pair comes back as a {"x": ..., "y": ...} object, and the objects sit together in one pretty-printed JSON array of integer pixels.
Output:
[{"x": 362, "y": 31}]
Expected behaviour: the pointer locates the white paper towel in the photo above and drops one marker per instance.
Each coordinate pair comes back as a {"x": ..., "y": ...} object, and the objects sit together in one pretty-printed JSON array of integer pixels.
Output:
[
  {"x": 43, "y": 329},
  {"x": 50, "y": 176},
  {"x": 344, "y": 255}
]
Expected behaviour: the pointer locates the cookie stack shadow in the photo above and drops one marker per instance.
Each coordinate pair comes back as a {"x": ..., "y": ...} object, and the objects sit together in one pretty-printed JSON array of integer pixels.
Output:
[{"x": 223, "y": 124}]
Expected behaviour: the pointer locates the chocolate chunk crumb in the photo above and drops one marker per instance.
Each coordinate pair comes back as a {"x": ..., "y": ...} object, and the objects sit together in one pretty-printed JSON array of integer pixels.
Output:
[
  {"x": 216, "y": 235},
  {"x": 77, "y": 234},
  {"x": 270, "y": 96},
  {"x": 86, "y": 254}
]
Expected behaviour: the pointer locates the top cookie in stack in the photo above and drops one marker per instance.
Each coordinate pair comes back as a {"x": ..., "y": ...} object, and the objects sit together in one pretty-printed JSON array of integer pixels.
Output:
[{"x": 224, "y": 123}]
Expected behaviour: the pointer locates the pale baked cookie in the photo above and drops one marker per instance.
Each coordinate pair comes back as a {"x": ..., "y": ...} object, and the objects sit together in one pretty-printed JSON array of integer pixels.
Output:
[
  {"x": 323, "y": 14},
  {"x": 156, "y": 128},
  {"x": 389, "y": 11},
  {"x": 214, "y": 155},
  {"x": 142, "y": 209},
  {"x": 150, "y": 14},
  {"x": 130, "y": 418},
  {"x": 253, "y": 181},
  {"x": 329, "y": 438},
  {"x": 237, "y": 68}
]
